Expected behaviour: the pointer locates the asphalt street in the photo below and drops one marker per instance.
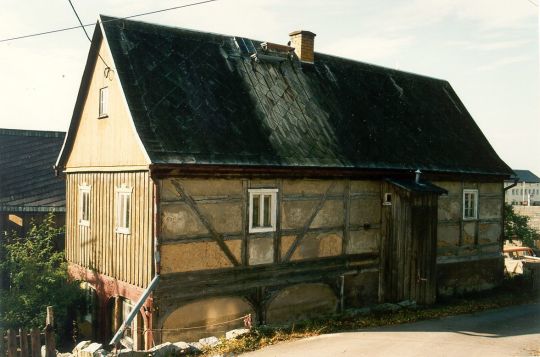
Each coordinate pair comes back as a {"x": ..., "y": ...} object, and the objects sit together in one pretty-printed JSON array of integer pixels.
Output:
[{"x": 512, "y": 331}]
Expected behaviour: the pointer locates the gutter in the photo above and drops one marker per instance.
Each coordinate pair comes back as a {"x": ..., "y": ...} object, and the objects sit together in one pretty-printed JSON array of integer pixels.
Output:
[{"x": 135, "y": 310}]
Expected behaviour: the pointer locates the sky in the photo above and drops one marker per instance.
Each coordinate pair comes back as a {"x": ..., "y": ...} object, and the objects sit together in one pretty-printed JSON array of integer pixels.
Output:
[{"x": 487, "y": 49}]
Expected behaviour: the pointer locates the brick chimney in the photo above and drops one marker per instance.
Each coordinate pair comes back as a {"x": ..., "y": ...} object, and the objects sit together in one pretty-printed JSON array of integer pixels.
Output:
[{"x": 303, "y": 42}]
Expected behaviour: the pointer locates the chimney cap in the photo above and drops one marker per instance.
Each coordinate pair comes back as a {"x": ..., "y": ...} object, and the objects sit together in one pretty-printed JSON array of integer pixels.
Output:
[{"x": 302, "y": 32}]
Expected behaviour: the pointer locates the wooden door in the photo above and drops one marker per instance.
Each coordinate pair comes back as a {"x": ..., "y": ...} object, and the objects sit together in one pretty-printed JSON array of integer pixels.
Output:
[{"x": 408, "y": 245}]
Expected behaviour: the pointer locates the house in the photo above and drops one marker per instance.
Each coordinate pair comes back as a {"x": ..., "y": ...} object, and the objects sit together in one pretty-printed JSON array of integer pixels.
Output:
[
  {"x": 268, "y": 180},
  {"x": 29, "y": 189},
  {"x": 526, "y": 190}
]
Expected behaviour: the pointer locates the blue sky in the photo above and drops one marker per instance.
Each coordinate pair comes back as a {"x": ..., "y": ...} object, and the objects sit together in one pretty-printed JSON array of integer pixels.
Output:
[{"x": 487, "y": 50}]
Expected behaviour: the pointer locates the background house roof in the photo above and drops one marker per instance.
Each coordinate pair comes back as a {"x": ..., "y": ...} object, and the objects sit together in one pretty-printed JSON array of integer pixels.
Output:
[
  {"x": 199, "y": 98},
  {"x": 525, "y": 176},
  {"x": 27, "y": 181}
]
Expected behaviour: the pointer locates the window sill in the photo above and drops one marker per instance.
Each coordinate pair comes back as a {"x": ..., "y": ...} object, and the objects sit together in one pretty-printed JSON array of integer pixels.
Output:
[
  {"x": 103, "y": 116},
  {"x": 124, "y": 231},
  {"x": 470, "y": 219},
  {"x": 261, "y": 229}
]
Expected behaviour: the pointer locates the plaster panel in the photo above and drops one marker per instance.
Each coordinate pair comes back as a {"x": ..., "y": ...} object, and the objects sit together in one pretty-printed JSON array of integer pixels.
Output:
[
  {"x": 448, "y": 235},
  {"x": 196, "y": 256},
  {"x": 491, "y": 188},
  {"x": 286, "y": 242},
  {"x": 318, "y": 246},
  {"x": 330, "y": 215},
  {"x": 205, "y": 312},
  {"x": 301, "y": 301},
  {"x": 261, "y": 251},
  {"x": 365, "y": 186},
  {"x": 365, "y": 210},
  {"x": 489, "y": 233},
  {"x": 453, "y": 188},
  {"x": 212, "y": 187},
  {"x": 224, "y": 217},
  {"x": 449, "y": 209},
  {"x": 295, "y": 214},
  {"x": 490, "y": 208},
  {"x": 311, "y": 187},
  {"x": 469, "y": 232},
  {"x": 364, "y": 241},
  {"x": 179, "y": 219}
]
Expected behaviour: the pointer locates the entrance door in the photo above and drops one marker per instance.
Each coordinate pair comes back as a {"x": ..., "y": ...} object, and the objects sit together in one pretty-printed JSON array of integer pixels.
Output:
[{"x": 408, "y": 242}]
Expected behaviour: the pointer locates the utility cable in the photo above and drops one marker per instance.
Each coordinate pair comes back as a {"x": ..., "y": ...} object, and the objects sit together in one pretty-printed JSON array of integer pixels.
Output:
[
  {"x": 86, "y": 33},
  {"x": 112, "y": 20}
]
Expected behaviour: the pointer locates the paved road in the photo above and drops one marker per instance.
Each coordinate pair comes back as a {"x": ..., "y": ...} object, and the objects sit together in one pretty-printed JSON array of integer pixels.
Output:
[{"x": 513, "y": 331}]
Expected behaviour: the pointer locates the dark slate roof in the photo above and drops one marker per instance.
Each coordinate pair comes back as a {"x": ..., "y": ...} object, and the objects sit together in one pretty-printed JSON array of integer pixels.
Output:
[
  {"x": 525, "y": 176},
  {"x": 198, "y": 98},
  {"x": 421, "y": 186},
  {"x": 27, "y": 180}
]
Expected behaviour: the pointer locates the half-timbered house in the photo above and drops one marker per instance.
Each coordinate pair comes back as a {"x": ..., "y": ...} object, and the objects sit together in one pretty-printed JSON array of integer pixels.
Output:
[{"x": 264, "y": 179}]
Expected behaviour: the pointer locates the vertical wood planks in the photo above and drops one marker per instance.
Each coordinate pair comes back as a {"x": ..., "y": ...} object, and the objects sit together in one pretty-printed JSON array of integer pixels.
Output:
[
  {"x": 35, "y": 342},
  {"x": 127, "y": 257}
]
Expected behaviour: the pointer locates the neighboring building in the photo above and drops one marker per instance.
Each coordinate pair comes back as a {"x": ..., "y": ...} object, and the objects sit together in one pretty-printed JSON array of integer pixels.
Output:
[
  {"x": 255, "y": 178},
  {"x": 527, "y": 190},
  {"x": 29, "y": 189}
]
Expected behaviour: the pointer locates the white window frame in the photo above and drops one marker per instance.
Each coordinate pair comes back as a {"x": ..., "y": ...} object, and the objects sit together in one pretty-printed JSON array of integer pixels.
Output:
[
  {"x": 474, "y": 193},
  {"x": 272, "y": 192},
  {"x": 122, "y": 220},
  {"x": 103, "y": 110},
  {"x": 84, "y": 219}
]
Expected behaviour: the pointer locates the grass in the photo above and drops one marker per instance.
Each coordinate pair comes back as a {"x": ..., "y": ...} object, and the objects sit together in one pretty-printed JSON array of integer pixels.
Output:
[{"x": 511, "y": 292}]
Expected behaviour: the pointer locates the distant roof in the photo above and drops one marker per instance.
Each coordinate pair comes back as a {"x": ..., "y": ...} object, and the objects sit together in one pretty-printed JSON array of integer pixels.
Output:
[
  {"x": 525, "y": 176},
  {"x": 199, "y": 98},
  {"x": 27, "y": 180}
]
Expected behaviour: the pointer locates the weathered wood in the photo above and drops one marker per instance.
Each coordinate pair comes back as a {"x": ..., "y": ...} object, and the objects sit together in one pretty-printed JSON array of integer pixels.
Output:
[
  {"x": 23, "y": 342},
  {"x": 346, "y": 217},
  {"x": 50, "y": 316},
  {"x": 305, "y": 229},
  {"x": 35, "y": 342},
  {"x": 12, "y": 343},
  {"x": 50, "y": 342},
  {"x": 215, "y": 235}
]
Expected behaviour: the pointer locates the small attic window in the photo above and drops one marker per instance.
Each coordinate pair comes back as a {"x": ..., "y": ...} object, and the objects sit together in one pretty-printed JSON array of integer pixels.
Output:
[
  {"x": 103, "y": 102},
  {"x": 387, "y": 199}
]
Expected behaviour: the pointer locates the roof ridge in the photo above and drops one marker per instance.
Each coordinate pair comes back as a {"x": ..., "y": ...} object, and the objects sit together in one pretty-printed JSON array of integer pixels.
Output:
[{"x": 26, "y": 132}]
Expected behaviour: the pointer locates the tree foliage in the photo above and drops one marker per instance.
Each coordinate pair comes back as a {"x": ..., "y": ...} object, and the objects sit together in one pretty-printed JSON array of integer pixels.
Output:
[
  {"x": 516, "y": 227},
  {"x": 35, "y": 276}
]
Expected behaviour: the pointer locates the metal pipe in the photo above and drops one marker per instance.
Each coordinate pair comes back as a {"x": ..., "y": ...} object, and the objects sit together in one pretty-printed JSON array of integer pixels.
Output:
[{"x": 135, "y": 310}]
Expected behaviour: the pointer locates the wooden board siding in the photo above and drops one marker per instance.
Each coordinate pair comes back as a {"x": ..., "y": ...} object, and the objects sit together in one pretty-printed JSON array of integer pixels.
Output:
[
  {"x": 314, "y": 219},
  {"x": 109, "y": 143},
  {"x": 98, "y": 247}
]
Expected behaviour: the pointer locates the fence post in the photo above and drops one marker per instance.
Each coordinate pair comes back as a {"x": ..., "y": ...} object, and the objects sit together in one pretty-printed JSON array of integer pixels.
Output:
[
  {"x": 50, "y": 343},
  {"x": 12, "y": 343},
  {"x": 35, "y": 342},
  {"x": 23, "y": 342},
  {"x": 50, "y": 316}
]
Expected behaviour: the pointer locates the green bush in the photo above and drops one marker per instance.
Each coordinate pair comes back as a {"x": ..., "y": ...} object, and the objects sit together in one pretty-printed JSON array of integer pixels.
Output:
[
  {"x": 34, "y": 277},
  {"x": 516, "y": 227}
]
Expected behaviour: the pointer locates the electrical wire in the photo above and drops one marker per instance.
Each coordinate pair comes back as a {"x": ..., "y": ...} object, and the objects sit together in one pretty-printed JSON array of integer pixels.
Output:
[
  {"x": 86, "y": 33},
  {"x": 532, "y": 2},
  {"x": 112, "y": 20}
]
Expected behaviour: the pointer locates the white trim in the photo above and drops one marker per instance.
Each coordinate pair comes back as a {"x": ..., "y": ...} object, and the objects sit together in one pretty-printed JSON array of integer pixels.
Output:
[
  {"x": 122, "y": 220},
  {"x": 123, "y": 95},
  {"x": 103, "y": 105},
  {"x": 272, "y": 192},
  {"x": 475, "y": 207},
  {"x": 83, "y": 189}
]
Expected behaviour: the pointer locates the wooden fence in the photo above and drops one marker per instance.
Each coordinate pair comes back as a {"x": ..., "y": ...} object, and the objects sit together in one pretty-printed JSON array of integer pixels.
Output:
[{"x": 27, "y": 343}]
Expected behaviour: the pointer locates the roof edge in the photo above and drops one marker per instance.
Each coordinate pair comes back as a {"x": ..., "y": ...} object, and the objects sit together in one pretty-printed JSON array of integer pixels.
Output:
[{"x": 33, "y": 133}]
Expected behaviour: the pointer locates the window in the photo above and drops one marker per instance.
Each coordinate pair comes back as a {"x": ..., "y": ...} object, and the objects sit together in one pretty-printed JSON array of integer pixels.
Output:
[
  {"x": 103, "y": 102},
  {"x": 84, "y": 205},
  {"x": 123, "y": 209},
  {"x": 470, "y": 204},
  {"x": 387, "y": 199},
  {"x": 262, "y": 210}
]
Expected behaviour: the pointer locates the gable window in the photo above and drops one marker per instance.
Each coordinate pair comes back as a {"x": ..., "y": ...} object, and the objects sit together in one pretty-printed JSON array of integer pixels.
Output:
[
  {"x": 84, "y": 205},
  {"x": 103, "y": 102},
  {"x": 123, "y": 209},
  {"x": 262, "y": 210},
  {"x": 470, "y": 204}
]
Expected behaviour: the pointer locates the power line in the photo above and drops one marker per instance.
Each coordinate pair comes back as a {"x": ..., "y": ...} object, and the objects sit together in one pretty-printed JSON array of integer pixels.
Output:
[
  {"x": 86, "y": 33},
  {"x": 112, "y": 20},
  {"x": 532, "y": 2}
]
